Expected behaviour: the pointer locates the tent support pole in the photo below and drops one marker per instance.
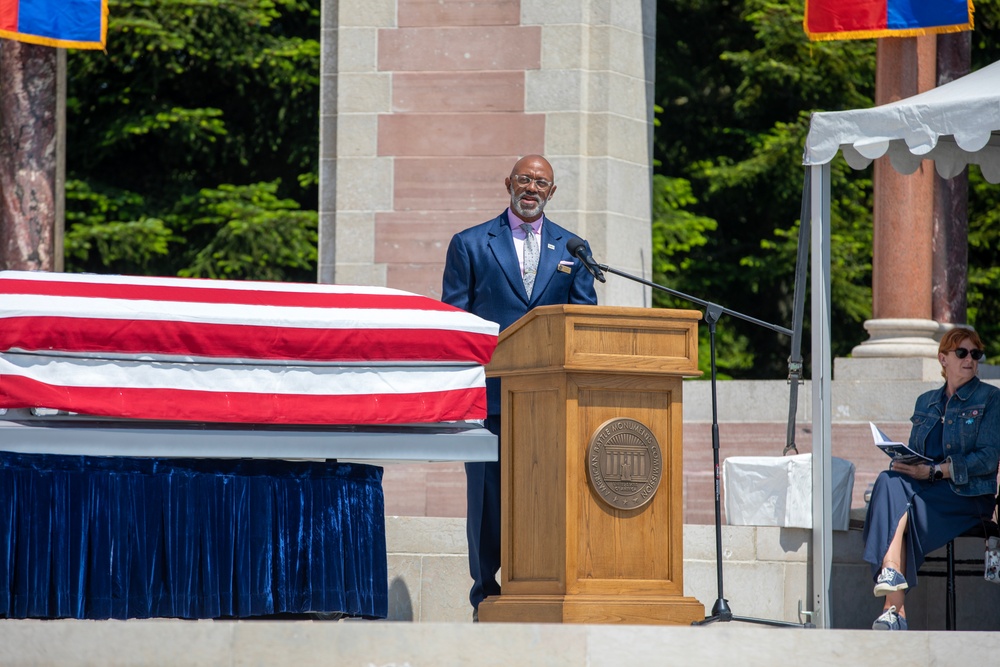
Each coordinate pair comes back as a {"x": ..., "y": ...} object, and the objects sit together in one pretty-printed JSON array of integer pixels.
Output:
[{"x": 822, "y": 373}]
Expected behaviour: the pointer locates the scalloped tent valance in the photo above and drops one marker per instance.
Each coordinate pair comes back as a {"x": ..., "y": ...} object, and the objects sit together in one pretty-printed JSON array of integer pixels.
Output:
[{"x": 955, "y": 125}]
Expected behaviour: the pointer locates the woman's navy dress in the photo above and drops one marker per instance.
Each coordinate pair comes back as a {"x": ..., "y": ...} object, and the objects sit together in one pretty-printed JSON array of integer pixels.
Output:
[{"x": 937, "y": 514}]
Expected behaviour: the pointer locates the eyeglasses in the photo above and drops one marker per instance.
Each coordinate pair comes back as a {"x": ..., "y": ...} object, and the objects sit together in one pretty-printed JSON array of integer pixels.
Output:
[
  {"x": 523, "y": 181},
  {"x": 962, "y": 353}
]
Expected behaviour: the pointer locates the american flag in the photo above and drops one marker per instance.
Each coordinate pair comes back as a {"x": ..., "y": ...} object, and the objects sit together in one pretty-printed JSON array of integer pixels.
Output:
[{"x": 238, "y": 351}]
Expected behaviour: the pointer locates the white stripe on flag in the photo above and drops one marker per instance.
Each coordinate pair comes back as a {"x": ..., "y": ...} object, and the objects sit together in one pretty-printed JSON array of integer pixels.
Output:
[
  {"x": 195, "y": 283},
  {"x": 285, "y": 379},
  {"x": 25, "y": 305}
]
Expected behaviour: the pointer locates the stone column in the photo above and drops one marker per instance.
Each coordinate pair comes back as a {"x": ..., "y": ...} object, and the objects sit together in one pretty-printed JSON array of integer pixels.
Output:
[
  {"x": 28, "y": 202},
  {"x": 425, "y": 106},
  {"x": 901, "y": 326},
  {"x": 595, "y": 88}
]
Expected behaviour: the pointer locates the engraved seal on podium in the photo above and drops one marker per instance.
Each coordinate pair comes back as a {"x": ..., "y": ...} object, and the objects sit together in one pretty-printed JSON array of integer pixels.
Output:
[{"x": 624, "y": 464}]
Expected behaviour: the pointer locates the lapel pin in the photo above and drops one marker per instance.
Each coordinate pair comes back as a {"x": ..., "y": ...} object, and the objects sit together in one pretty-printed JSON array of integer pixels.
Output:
[{"x": 550, "y": 246}]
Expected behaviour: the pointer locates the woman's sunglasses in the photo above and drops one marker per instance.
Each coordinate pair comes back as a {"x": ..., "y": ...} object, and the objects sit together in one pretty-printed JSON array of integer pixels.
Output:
[{"x": 962, "y": 353}]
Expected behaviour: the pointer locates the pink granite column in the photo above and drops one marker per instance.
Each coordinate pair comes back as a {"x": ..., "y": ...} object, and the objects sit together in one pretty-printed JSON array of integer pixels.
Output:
[
  {"x": 458, "y": 123},
  {"x": 904, "y": 204},
  {"x": 902, "y": 333},
  {"x": 27, "y": 156}
]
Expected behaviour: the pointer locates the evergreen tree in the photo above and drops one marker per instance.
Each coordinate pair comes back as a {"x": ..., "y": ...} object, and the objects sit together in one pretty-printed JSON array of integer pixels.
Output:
[{"x": 193, "y": 141}]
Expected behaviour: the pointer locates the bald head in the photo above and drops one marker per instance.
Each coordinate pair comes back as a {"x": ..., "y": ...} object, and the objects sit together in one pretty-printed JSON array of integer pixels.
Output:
[
  {"x": 531, "y": 162},
  {"x": 530, "y": 185}
]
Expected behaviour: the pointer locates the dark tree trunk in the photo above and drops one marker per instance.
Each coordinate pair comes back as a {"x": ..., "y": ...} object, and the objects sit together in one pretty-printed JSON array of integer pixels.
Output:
[
  {"x": 27, "y": 156},
  {"x": 951, "y": 203}
]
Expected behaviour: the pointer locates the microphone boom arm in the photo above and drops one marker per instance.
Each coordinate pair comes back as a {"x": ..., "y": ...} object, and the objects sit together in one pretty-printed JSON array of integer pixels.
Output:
[{"x": 712, "y": 310}]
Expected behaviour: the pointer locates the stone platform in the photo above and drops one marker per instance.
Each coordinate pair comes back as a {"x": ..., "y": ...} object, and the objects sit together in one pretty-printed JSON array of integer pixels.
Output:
[{"x": 381, "y": 644}]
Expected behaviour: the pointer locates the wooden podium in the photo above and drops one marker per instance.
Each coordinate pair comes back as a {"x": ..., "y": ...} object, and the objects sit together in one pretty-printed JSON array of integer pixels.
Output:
[{"x": 587, "y": 393}]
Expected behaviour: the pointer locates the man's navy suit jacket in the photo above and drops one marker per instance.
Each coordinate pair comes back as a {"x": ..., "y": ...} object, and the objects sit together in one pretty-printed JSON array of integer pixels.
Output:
[{"x": 483, "y": 276}]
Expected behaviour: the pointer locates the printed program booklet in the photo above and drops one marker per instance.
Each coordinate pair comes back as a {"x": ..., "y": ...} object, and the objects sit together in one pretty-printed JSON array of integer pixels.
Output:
[{"x": 897, "y": 450}]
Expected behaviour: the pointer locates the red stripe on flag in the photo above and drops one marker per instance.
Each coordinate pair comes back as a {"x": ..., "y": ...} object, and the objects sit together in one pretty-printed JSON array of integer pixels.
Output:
[
  {"x": 232, "y": 341},
  {"x": 245, "y": 297},
  {"x": 203, "y": 406}
]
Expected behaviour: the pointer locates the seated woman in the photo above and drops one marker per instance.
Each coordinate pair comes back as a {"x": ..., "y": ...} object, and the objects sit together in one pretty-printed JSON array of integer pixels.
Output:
[{"x": 916, "y": 509}]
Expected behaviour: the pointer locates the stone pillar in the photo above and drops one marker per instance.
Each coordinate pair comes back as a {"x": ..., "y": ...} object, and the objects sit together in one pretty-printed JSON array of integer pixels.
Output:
[
  {"x": 28, "y": 131},
  {"x": 425, "y": 106},
  {"x": 901, "y": 326},
  {"x": 595, "y": 87}
]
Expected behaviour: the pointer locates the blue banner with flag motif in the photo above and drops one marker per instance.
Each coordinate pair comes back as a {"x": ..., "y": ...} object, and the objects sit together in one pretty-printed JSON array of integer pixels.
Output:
[
  {"x": 78, "y": 24},
  {"x": 866, "y": 19}
]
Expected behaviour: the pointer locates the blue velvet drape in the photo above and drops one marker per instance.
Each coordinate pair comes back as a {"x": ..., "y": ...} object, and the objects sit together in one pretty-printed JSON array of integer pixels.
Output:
[{"x": 118, "y": 537}]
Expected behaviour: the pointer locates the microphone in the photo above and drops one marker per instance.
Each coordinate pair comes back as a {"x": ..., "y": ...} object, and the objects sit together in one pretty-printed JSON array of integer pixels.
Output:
[{"x": 578, "y": 249}]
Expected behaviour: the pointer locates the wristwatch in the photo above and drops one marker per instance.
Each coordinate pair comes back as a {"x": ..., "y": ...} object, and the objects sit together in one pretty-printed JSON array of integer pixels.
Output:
[{"x": 938, "y": 473}]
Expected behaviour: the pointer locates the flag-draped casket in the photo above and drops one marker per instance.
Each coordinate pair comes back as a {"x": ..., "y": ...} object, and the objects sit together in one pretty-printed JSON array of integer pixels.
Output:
[
  {"x": 195, "y": 534},
  {"x": 226, "y": 351}
]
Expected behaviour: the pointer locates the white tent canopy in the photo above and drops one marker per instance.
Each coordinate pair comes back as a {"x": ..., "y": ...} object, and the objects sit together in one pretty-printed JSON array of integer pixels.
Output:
[
  {"x": 952, "y": 125},
  {"x": 955, "y": 125}
]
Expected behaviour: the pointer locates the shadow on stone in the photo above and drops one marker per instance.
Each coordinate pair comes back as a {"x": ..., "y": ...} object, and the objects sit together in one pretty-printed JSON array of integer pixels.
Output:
[{"x": 400, "y": 604}]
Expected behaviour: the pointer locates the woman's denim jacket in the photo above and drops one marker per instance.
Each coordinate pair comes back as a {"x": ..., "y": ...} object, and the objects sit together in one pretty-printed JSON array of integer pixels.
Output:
[{"x": 971, "y": 436}]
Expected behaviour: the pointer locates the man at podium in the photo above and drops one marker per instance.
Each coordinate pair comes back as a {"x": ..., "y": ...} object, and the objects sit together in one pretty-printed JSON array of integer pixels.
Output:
[{"x": 499, "y": 270}]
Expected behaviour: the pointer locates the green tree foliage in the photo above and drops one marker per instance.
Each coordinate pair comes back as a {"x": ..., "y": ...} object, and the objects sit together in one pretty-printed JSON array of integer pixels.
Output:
[
  {"x": 678, "y": 234},
  {"x": 984, "y": 206},
  {"x": 984, "y": 270},
  {"x": 246, "y": 232},
  {"x": 737, "y": 82},
  {"x": 193, "y": 141}
]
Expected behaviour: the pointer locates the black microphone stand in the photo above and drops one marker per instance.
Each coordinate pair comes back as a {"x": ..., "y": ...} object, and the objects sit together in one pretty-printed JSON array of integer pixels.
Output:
[{"x": 713, "y": 311}]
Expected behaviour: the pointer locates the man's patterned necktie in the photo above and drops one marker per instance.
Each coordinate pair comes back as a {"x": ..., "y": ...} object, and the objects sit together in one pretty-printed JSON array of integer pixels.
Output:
[{"x": 530, "y": 257}]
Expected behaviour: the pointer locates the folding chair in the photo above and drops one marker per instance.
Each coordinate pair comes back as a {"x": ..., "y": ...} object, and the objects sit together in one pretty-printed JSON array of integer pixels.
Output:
[{"x": 982, "y": 532}]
